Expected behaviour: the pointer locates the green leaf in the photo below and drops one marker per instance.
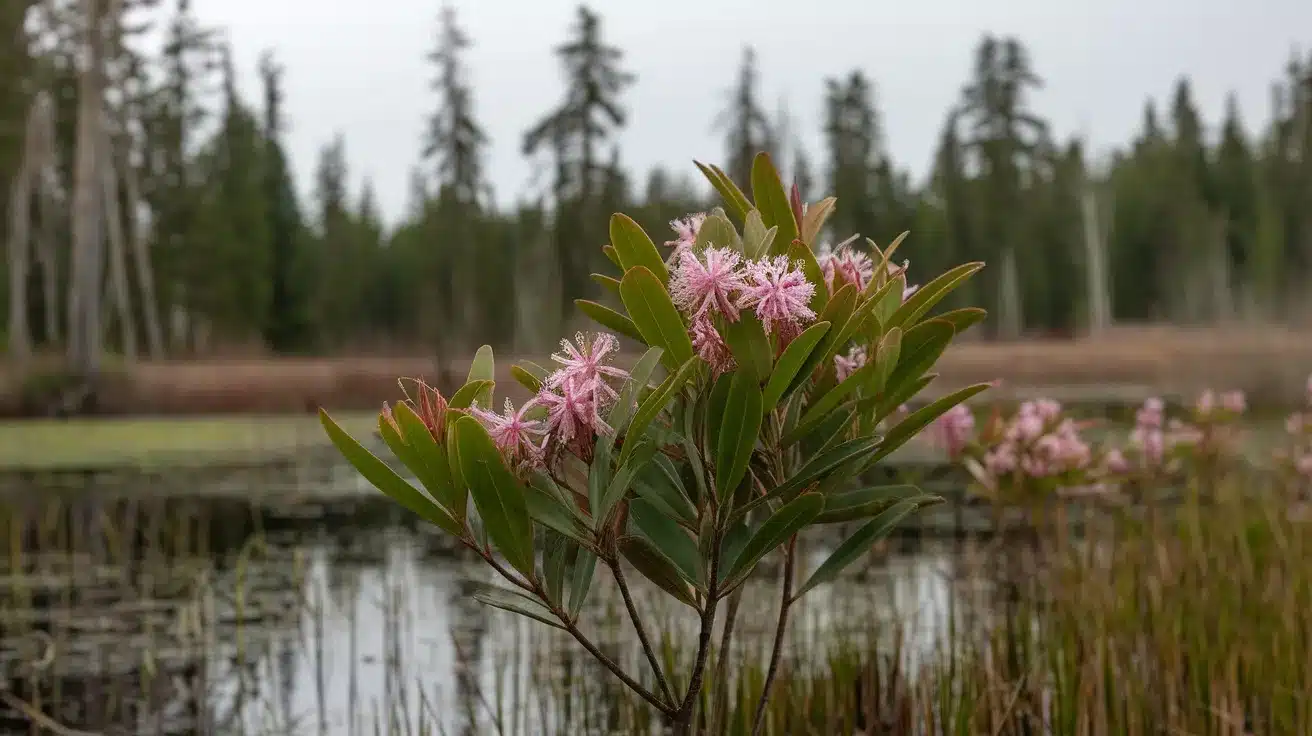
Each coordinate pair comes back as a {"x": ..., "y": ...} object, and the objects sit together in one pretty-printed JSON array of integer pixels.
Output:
[
  {"x": 471, "y": 392},
  {"x": 814, "y": 220},
  {"x": 771, "y": 199},
  {"x": 483, "y": 369},
  {"x": 655, "y": 486},
  {"x": 436, "y": 469},
  {"x": 819, "y": 466},
  {"x": 750, "y": 345},
  {"x": 673, "y": 542},
  {"x": 656, "y": 567},
  {"x": 516, "y": 602},
  {"x": 832, "y": 398},
  {"x": 386, "y": 480},
  {"x": 555, "y": 563},
  {"x": 782, "y": 524},
  {"x": 548, "y": 510},
  {"x": 585, "y": 567},
  {"x": 526, "y": 379},
  {"x": 612, "y": 255},
  {"x": 889, "y": 402},
  {"x": 920, "y": 349},
  {"x": 731, "y": 547},
  {"x": 610, "y": 319},
  {"x": 715, "y": 404},
  {"x": 627, "y": 402},
  {"x": 857, "y": 545},
  {"x": 798, "y": 251},
  {"x": 888, "y": 299},
  {"x": 656, "y": 402},
  {"x": 738, "y": 433},
  {"x": 837, "y": 312},
  {"x": 717, "y": 231},
  {"x": 655, "y": 316},
  {"x": 963, "y": 319},
  {"x": 620, "y": 484},
  {"x": 866, "y": 502},
  {"x": 609, "y": 283},
  {"x": 498, "y": 496},
  {"x": 734, "y": 198},
  {"x": 886, "y": 358},
  {"x": 930, "y": 294},
  {"x": 635, "y": 248},
  {"x": 921, "y": 418},
  {"x": 792, "y": 359},
  {"x": 757, "y": 239}
]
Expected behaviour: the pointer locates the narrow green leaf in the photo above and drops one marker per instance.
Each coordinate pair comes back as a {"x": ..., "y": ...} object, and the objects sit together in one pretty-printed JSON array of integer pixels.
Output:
[
  {"x": 526, "y": 379},
  {"x": 757, "y": 238},
  {"x": 715, "y": 406},
  {"x": 750, "y": 345},
  {"x": 483, "y": 368},
  {"x": 782, "y": 524},
  {"x": 798, "y": 251},
  {"x": 920, "y": 349},
  {"x": 819, "y": 466},
  {"x": 866, "y": 502},
  {"x": 771, "y": 199},
  {"x": 497, "y": 494},
  {"x": 738, "y": 432},
  {"x": 516, "y": 602},
  {"x": 857, "y": 545},
  {"x": 656, "y": 567},
  {"x": 655, "y": 316},
  {"x": 610, "y": 319},
  {"x": 656, "y": 402},
  {"x": 612, "y": 255},
  {"x": 635, "y": 248},
  {"x": 621, "y": 483},
  {"x": 382, "y": 477},
  {"x": 731, "y": 547},
  {"x": 657, "y": 488},
  {"x": 627, "y": 402},
  {"x": 673, "y": 542},
  {"x": 734, "y": 198},
  {"x": 555, "y": 563},
  {"x": 886, "y": 357},
  {"x": 609, "y": 283},
  {"x": 436, "y": 473},
  {"x": 833, "y": 397},
  {"x": 837, "y": 312},
  {"x": 932, "y": 293},
  {"x": 921, "y": 418},
  {"x": 963, "y": 319},
  {"x": 584, "y": 570},
  {"x": 814, "y": 220},
  {"x": 471, "y": 392},
  {"x": 890, "y": 402},
  {"x": 887, "y": 300},
  {"x": 548, "y": 510},
  {"x": 792, "y": 359},
  {"x": 717, "y": 231}
]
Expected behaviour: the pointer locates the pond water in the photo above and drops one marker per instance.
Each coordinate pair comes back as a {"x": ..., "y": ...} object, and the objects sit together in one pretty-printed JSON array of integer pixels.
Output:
[{"x": 126, "y": 611}]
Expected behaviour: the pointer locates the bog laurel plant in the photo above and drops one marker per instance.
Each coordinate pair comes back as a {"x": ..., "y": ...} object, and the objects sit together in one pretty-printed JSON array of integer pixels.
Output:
[{"x": 782, "y": 377}]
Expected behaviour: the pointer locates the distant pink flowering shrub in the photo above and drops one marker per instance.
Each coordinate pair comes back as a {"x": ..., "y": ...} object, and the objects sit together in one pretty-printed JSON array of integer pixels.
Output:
[{"x": 1295, "y": 456}]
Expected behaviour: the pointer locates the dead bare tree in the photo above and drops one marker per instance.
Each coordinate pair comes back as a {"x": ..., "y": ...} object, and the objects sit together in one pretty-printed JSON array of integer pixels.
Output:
[{"x": 117, "y": 291}]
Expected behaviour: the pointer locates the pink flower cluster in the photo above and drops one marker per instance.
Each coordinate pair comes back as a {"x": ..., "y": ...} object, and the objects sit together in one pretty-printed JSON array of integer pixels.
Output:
[
  {"x": 720, "y": 283},
  {"x": 846, "y": 365},
  {"x": 685, "y": 231},
  {"x": 953, "y": 431},
  {"x": 572, "y": 398},
  {"x": 845, "y": 265},
  {"x": 1298, "y": 455}
]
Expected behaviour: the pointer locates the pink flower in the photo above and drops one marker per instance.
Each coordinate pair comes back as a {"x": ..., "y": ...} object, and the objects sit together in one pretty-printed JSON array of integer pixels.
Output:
[
  {"x": 1206, "y": 403},
  {"x": 1234, "y": 402},
  {"x": 855, "y": 267},
  {"x": 696, "y": 288},
  {"x": 907, "y": 291},
  {"x": 846, "y": 365},
  {"x": 686, "y": 230},
  {"x": 573, "y": 412},
  {"x": 586, "y": 364},
  {"x": 1304, "y": 465},
  {"x": 780, "y": 293},
  {"x": 953, "y": 429},
  {"x": 1150, "y": 443},
  {"x": 1294, "y": 424},
  {"x": 1150, "y": 415},
  {"x": 710, "y": 346},
  {"x": 513, "y": 434},
  {"x": 1114, "y": 462}
]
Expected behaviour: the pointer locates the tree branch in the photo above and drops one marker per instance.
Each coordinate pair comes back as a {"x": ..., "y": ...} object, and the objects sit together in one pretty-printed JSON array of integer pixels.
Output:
[
  {"x": 776, "y": 654},
  {"x": 642, "y": 632},
  {"x": 683, "y": 719}
]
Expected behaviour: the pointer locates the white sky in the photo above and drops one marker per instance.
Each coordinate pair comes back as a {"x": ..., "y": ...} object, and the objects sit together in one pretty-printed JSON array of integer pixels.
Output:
[{"x": 357, "y": 66}]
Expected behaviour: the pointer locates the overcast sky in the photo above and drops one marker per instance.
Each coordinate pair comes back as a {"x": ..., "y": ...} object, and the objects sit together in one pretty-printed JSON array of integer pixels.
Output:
[{"x": 357, "y": 67}]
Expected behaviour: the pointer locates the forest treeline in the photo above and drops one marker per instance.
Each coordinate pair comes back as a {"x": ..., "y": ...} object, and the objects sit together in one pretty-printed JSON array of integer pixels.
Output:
[{"x": 147, "y": 215}]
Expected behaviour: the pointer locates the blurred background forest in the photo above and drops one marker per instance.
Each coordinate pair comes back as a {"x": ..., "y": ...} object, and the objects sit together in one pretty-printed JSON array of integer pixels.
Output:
[{"x": 151, "y": 212}]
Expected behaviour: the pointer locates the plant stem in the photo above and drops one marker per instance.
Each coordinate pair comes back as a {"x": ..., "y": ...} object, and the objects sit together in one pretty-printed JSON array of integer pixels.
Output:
[
  {"x": 722, "y": 661},
  {"x": 683, "y": 718},
  {"x": 785, "y": 602},
  {"x": 642, "y": 632},
  {"x": 573, "y": 630}
]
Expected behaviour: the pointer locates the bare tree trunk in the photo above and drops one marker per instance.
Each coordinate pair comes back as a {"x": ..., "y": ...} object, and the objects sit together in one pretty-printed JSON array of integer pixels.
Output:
[
  {"x": 87, "y": 257},
  {"x": 118, "y": 274},
  {"x": 20, "y": 245},
  {"x": 1095, "y": 245},
  {"x": 45, "y": 252},
  {"x": 1011, "y": 319}
]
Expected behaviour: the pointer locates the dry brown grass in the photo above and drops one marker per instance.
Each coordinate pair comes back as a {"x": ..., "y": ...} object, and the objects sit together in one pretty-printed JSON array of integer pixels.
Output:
[{"x": 1271, "y": 364}]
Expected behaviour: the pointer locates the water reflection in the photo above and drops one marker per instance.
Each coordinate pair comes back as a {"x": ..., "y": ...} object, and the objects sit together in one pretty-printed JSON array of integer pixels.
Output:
[{"x": 159, "y": 616}]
